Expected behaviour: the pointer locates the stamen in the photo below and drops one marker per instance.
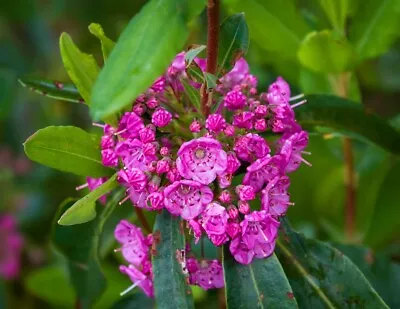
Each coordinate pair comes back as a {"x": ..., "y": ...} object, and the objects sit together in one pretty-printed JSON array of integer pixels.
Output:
[
  {"x": 119, "y": 132},
  {"x": 81, "y": 187},
  {"x": 298, "y": 104},
  {"x": 130, "y": 288},
  {"x": 306, "y": 162},
  {"x": 98, "y": 125},
  {"x": 306, "y": 152},
  {"x": 124, "y": 200},
  {"x": 262, "y": 233},
  {"x": 118, "y": 249},
  {"x": 296, "y": 97}
]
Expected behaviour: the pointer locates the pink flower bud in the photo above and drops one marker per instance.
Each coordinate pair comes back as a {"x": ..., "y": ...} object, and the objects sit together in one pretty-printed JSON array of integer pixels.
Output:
[
  {"x": 246, "y": 193},
  {"x": 243, "y": 120},
  {"x": 229, "y": 130},
  {"x": 260, "y": 125},
  {"x": 147, "y": 135},
  {"x": 161, "y": 118},
  {"x": 155, "y": 200},
  {"x": 233, "y": 212},
  {"x": 152, "y": 103},
  {"x": 234, "y": 100},
  {"x": 244, "y": 207},
  {"x": 225, "y": 197},
  {"x": 107, "y": 141},
  {"x": 215, "y": 123},
  {"x": 164, "y": 151},
  {"x": 233, "y": 163},
  {"x": 162, "y": 166},
  {"x": 195, "y": 126},
  {"x": 233, "y": 229},
  {"x": 109, "y": 158},
  {"x": 261, "y": 111},
  {"x": 139, "y": 109}
]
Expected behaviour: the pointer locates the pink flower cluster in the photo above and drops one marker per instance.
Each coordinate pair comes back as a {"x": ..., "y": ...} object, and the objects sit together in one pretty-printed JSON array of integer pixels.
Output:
[
  {"x": 170, "y": 156},
  {"x": 11, "y": 247}
]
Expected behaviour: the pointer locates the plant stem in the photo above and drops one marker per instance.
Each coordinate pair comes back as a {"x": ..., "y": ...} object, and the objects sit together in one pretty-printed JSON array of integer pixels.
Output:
[
  {"x": 142, "y": 219},
  {"x": 340, "y": 86},
  {"x": 212, "y": 48}
]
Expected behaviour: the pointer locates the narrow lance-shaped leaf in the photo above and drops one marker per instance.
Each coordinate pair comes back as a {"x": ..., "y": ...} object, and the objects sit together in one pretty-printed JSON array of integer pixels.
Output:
[
  {"x": 68, "y": 149},
  {"x": 52, "y": 89},
  {"x": 261, "y": 284},
  {"x": 193, "y": 53},
  {"x": 141, "y": 54},
  {"x": 286, "y": 26},
  {"x": 233, "y": 41},
  {"x": 336, "y": 11},
  {"x": 169, "y": 281},
  {"x": 374, "y": 27},
  {"x": 338, "y": 113},
  {"x": 321, "y": 276},
  {"x": 106, "y": 44},
  {"x": 192, "y": 94},
  {"x": 82, "y": 68},
  {"x": 84, "y": 210}
]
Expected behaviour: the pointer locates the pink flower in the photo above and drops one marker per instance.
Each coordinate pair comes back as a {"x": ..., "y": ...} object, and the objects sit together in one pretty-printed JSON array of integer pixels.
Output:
[
  {"x": 187, "y": 198},
  {"x": 214, "y": 220},
  {"x": 240, "y": 251},
  {"x": 196, "y": 229},
  {"x": 161, "y": 117},
  {"x": 164, "y": 151},
  {"x": 260, "y": 125},
  {"x": 130, "y": 125},
  {"x": 139, "y": 109},
  {"x": 236, "y": 75},
  {"x": 244, "y": 207},
  {"x": 215, "y": 123},
  {"x": 291, "y": 147},
  {"x": 133, "y": 178},
  {"x": 225, "y": 180},
  {"x": 107, "y": 141},
  {"x": 152, "y": 103},
  {"x": 246, "y": 193},
  {"x": 201, "y": 159},
  {"x": 233, "y": 229},
  {"x": 11, "y": 243},
  {"x": 259, "y": 231},
  {"x": 134, "y": 247},
  {"x": 261, "y": 111},
  {"x": 251, "y": 147},
  {"x": 234, "y": 100},
  {"x": 233, "y": 212},
  {"x": 206, "y": 274},
  {"x": 163, "y": 166},
  {"x": 243, "y": 120},
  {"x": 139, "y": 279},
  {"x": 225, "y": 197},
  {"x": 275, "y": 198},
  {"x": 282, "y": 86},
  {"x": 147, "y": 134},
  {"x": 261, "y": 171},
  {"x": 159, "y": 84},
  {"x": 136, "y": 154},
  {"x": 229, "y": 130}
]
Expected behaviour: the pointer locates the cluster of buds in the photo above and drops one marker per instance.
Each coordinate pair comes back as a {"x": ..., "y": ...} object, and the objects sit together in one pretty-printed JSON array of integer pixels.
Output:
[{"x": 207, "y": 169}]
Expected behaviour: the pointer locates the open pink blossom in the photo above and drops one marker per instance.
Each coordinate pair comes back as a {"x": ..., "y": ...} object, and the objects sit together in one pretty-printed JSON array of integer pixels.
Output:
[
  {"x": 208, "y": 274},
  {"x": 275, "y": 198},
  {"x": 133, "y": 178},
  {"x": 139, "y": 279},
  {"x": 201, "y": 159},
  {"x": 130, "y": 125},
  {"x": 187, "y": 198},
  {"x": 214, "y": 220},
  {"x": 251, "y": 147}
]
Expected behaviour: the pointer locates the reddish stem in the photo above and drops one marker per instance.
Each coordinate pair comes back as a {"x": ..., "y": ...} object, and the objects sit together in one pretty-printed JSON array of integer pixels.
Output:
[
  {"x": 212, "y": 48},
  {"x": 142, "y": 219}
]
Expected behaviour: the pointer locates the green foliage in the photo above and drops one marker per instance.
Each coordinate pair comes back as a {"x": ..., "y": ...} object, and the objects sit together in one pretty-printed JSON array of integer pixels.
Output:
[
  {"x": 193, "y": 96},
  {"x": 106, "y": 44},
  {"x": 275, "y": 25},
  {"x": 262, "y": 284},
  {"x": 170, "y": 287},
  {"x": 375, "y": 27},
  {"x": 233, "y": 42},
  {"x": 322, "y": 52},
  {"x": 135, "y": 301},
  {"x": 193, "y": 53},
  {"x": 321, "y": 276},
  {"x": 46, "y": 284},
  {"x": 52, "y": 89},
  {"x": 84, "y": 210},
  {"x": 68, "y": 149},
  {"x": 336, "y": 11},
  {"x": 341, "y": 114},
  {"x": 148, "y": 44},
  {"x": 81, "y": 68}
]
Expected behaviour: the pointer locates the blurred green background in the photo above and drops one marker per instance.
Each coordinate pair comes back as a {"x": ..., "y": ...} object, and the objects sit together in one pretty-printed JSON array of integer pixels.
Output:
[{"x": 29, "y": 32}]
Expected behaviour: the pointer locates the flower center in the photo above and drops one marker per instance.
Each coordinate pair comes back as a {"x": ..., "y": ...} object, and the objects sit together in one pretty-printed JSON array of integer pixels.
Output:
[{"x": 200, "y": 153}]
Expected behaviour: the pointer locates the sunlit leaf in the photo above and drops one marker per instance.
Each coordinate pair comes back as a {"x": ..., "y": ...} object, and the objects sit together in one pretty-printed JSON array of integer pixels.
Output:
[{"x": 106, "y": 44}]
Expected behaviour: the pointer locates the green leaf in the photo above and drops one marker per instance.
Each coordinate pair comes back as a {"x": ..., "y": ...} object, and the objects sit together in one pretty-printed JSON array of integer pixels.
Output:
[
  {"x": 233, "y": 41},
  {"x": 211, "y": 80},
  {"x": 106, "y": 44},
  {"x": 321, "y": 276},
  {"x": 195, "y": 73},
  {"x": 375, "y": 27},
  {"x": 137, "y": 300},
  {"x": 322, "y": 52},
  {"x": 68, "y": 149},
  {"x": 146, "y": 47},
  {"x": 46, "y": 284},
  {"x": 382, "y": 273},
  {"x": 262, "y": 284},
  {"x": 84, "y": 210},
  {"x": 80, "y": 245},
  {"x": 52, "y": 89},
  {"x": 169, "y": 281},
  {"x": 82, "y": 68},
  {"x": 275, "y": 25},
  {"x": 193, "y": 95},
  {"x": 193, "y": 53},
  {"x": 384, "y": 224},
  {"x": 336, "y": 11},
  {"x": 341, "y": 114}
]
